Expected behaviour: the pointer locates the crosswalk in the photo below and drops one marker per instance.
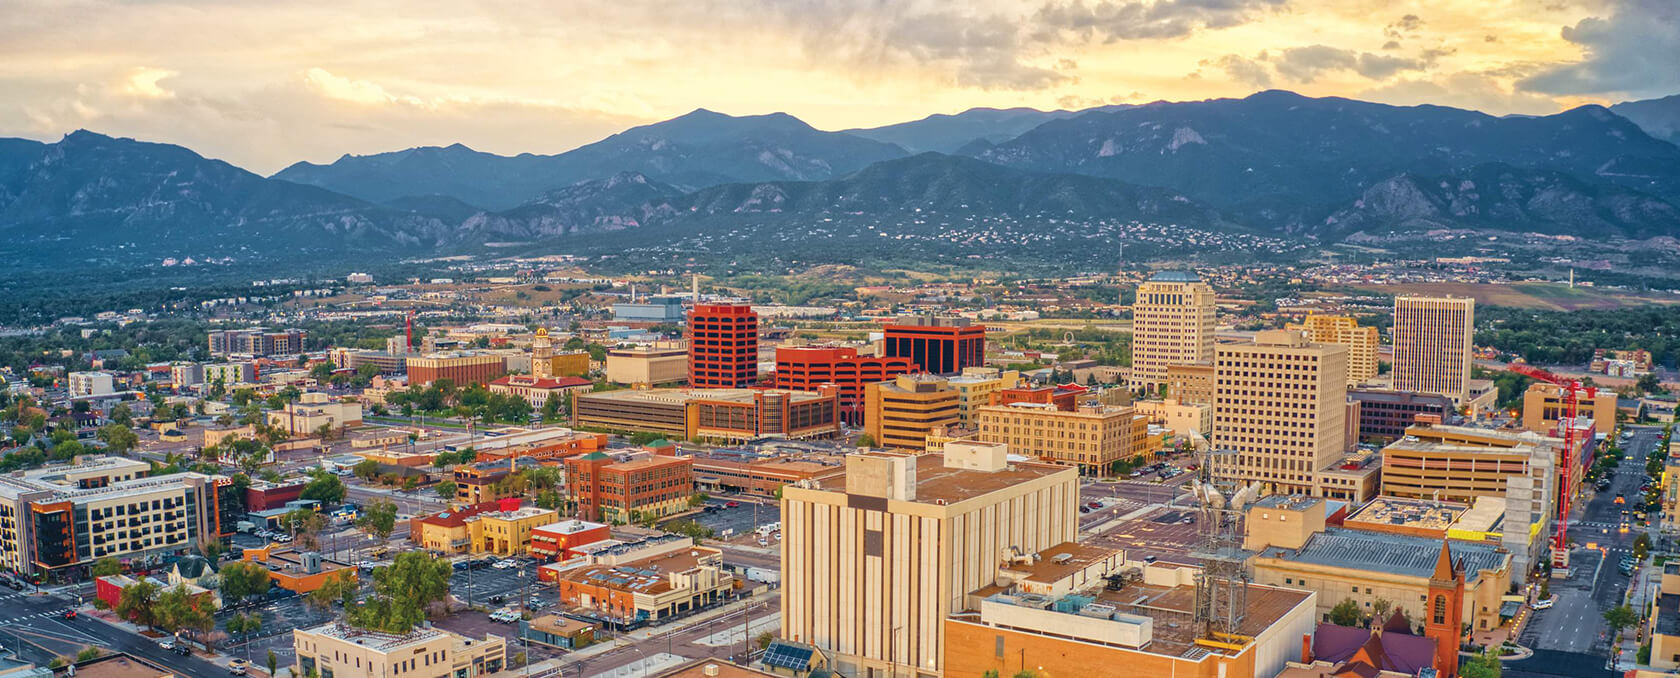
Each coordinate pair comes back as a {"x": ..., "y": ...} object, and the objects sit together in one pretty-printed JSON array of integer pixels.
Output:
[{"x": 37, "y": 615}]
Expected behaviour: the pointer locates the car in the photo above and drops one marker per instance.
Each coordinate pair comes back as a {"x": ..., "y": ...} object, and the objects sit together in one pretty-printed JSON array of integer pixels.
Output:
[
  {"x": 1188, "y": 520},
  {"x": 238, "y": 666},
  {"x": 1544, "y": 603},
  {"x": 1094, "y": 505},
  {"x": 167, "y": 644},
  {"x": 183, "y": 650},
  {"x": 733, "y": 504},
  {"x": 70, "y": 614},
  {"x": 461, "y": 565},
  {"x": 763, "y": 542},
  {"x": 1084, "y": 509},
  {"x": 497, "y": 599}
]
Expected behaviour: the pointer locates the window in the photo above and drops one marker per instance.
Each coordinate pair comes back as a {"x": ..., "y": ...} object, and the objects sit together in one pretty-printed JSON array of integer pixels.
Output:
[{"x": 1440, "y": 609}]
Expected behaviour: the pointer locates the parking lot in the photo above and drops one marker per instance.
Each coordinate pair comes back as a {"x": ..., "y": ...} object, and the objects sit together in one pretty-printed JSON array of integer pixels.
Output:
[
  {"x": 481, "y": 586},
  {"x": 737, "y": 522},
  {"x": 279, "y": 618}
]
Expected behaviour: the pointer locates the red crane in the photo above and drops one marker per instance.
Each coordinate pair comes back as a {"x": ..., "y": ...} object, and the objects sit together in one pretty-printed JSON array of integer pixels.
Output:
[{"x": 1570, "y": 392}]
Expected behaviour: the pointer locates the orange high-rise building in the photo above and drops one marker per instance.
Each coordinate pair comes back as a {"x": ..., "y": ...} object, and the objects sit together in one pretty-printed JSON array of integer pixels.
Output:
[
  {"x": 937, "y": 345},
  {"x": 723, "y": 346},
  {"x": 808, "y": 368}
]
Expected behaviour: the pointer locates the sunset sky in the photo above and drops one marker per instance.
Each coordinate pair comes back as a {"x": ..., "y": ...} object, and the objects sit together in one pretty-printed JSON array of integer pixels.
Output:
[{"x": 263, "y": 84}]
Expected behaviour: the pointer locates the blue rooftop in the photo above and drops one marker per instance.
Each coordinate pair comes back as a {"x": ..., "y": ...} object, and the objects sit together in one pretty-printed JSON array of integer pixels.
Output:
[{"x": 1176, "y": 277}]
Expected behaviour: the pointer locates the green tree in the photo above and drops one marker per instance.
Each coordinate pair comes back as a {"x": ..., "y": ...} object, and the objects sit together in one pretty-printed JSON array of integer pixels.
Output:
[
  {"x": 340, "y": 586},
  {"x": 118, "y": 438},
  {"x": 243, "y": 624},
  {"x": 1641, "y": 546},
  {"x": 273, "y": 662},
  {"x": 1484, "y": 665},
  {"x": 366, "y": 469},
  {"x": 241, "y": 580},
  {"x": 138, "y": 603},
  {"x": 401, "y": 593},
  {"x": 87, "y": 654},
  {"x": 305, "y": 526},
  {"x": 378, "y": 519},
  {"x": 179, "y": 610},
  {"x": 866, "y": 440},
  {"x": 1345, "y": 613},
  {"x": 1618, "y": 618},
  {"x": 107, "y": 566},
  {"x": 1380, "y": 608},
  {"x": 446, "y": 490},
  {"x": 122, "y": 415},
  {"x": 764, "y": 639},
  {"x": 323, "y": 487},
  {"x": 321, "y": 372}
]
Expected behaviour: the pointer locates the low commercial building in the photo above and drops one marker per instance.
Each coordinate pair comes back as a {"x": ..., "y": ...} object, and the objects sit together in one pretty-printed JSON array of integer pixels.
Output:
[
  {"x": 562, "y": 633},
  {"x": 1544, "y": 406},
  {"x": 900, "y": 413},
  {"x": 507, "y": 532},
  {"x": 64, "y": 517},
  {"x": 975, "y": 387},
  {"x": 712, "y": 414},
  {"x": 1182, "y": 418},
  {"x": 652, "y": 589},
  {"x": 339, "y": 650},
  {"x": 313, "y": 410},
  {"x": 262, "y": 495},
  {"x": 1092, "y": 437},
  {"x": 297, "y": 571},
  {"x": 388, "y": 363},
  {"x": 537, "y": 390},
  {"x": 619, "y": 490},
  {"x": 553, "y": 443},
  {"x": 1670, "y": 524},
  {"x": 749, "y": 472},
  {"x": 1384, "y": 414},
  {"x": 648, "y": 366},
  {"x": 1294, "y": 548},
  {"x": 462, "y": 368},
  {"x": 446, "y": 532},
  {"x": 560, "y": 540}
]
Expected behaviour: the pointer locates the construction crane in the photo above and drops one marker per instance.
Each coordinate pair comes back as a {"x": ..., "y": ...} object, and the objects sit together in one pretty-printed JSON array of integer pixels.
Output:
[{"x": 1570, "y": 393}]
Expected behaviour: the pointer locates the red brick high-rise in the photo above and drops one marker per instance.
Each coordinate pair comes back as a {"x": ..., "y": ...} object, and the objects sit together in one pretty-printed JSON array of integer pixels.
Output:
[
  {"x": 806, "y": 368},
  {"x": 722, "y": 346},
  {"x": 938, "y": 345}
]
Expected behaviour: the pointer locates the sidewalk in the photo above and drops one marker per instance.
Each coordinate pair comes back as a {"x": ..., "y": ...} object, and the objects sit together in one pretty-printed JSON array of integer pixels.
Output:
[{"x": 648, "y": 633}]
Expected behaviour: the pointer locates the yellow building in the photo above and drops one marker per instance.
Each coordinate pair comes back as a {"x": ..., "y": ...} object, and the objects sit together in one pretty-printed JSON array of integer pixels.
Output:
[
  {"x": 1294, "y": 549},
  {"x": 507, "y": 533},
  {"x": 1671, "y": 491},
  {"x": 314, "y": 410},
  {"x": 1182, "y": 418},
  {"x": 343, "y": 651},
  {"x": 1172, "y": 324},
  {"x": 1190, "y": 383},
  {"x": 1663, "y": 621},
  {"x": 873, "y": 564},
  {"x": 1543, "y": 406},
  {"x": 902, "y": 412},
  {"x": 1091, "y": 437},
  {"x": 1279, "y": 406},
  {"x": 648, "y": 366},
  {"x": 1360, "y": 341},
  {"x": 975, "y": 387},
  {"x": 1433, "y": 345},
  {"x": 547, "y": 364}
]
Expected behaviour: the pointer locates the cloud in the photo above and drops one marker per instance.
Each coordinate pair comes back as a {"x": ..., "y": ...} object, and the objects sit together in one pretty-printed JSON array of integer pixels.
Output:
[
  {"x": 1305, "y": 64},
  {"x": 1242, "y": 69},
  {"x": 1471, "y": 90},
  {"x": 143, "y": 82},
  {"x": 1407, "y": 25},
  {"x": 1634, "y": 52},
  {"x": 1148, "y": 19}
]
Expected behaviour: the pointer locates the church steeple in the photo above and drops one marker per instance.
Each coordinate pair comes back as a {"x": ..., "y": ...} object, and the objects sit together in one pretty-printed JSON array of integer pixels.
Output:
[{"x": 1443, "y": 614}]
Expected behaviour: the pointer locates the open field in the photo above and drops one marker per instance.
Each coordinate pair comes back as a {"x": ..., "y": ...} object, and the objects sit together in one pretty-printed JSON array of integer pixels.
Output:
[{"x": 1535, "y": 295}]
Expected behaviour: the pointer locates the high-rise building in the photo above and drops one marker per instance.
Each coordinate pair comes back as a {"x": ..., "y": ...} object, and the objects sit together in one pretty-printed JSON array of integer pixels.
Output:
[
  {"x": 938, "y": 345},
  {"x": 902, "y": 412},
  {"x": 1092, "y": 437},
  {"x": 1433, "y": 344},
  {"x": 975, "y": 387},
  {"x": 1172, "y": 324},
  {"x": 807, "y": 368},
  {"x": 1360, "y": 340},
  {"x": 723, "y": 346},
  {"x": 1278, "y": 408},
  {"x": 873, "y": 565}
]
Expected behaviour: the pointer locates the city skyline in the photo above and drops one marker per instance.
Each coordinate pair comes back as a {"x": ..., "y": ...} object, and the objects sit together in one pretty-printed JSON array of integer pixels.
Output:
[{"x": 264, "y": 87}]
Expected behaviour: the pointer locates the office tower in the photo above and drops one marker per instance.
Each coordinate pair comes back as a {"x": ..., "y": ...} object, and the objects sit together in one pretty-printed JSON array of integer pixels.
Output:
[
  {"x": 807, "y": 368},
  {"x": 874, "y": 564},
  {"x": 723, "y": 346},
  {"x": 1360, "y": 340},
  {"x": 939, "y": 345},
  {"x": 1172, "y": 324},
  {"x": 1432, "y": 344},
  {"x": 902, "y": 412},
  {"x": 1278, "y": 408}
]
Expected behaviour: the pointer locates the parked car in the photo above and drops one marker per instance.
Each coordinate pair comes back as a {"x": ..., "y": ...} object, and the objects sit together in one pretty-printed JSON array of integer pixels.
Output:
[
  {"x": 461, "y": 565},
  {"x": 167, "y": 644},
  {"x": 733, "y": 504},
  {"x": 1544, "y": 603},
  {"x": 1084, "y": 509},
  {"x": 1094, "y": 505},
  {"x": 238, "y": 666}
]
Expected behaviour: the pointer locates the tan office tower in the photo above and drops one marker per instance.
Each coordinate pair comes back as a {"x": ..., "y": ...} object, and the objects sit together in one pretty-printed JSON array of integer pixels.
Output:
[
  {"x": 1432, "y": 344},
  {"x": 1172, "y": 324},
  {"x": 873, "y": 564},
  {"x": 902, "y": 412},
  {"x": 1278, "y": 409},
  {"x": 1340, "y": 329}
]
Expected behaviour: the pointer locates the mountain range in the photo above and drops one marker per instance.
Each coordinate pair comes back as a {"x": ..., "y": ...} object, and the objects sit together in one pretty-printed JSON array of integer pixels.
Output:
[{"x": 1272, "y": 163}]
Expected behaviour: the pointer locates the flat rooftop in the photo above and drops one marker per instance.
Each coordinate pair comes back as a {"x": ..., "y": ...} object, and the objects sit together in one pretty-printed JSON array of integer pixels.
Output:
[
  {"x": 377, "y": 641},
  {"x": 1428, "y": 515},
  {"x": 680, "y": 396},
  {"x": 1048, "y": 569},
  {"x": 1390, "y": 553},
  {"x": 936, "y": 482}
]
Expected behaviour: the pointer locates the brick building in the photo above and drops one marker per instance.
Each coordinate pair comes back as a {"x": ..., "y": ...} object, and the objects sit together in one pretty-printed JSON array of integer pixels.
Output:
[
  {"x": 723, "y": 346},
  {"x": 607, "y": 489},
  {"x": 462, "y": 368}
]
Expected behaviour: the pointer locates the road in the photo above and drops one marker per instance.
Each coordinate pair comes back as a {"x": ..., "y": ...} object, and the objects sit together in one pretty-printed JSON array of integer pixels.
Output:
[
  {"x": 37, "y": 622},
  {"x": 1575, "y": 622},
  {"x": 648, "y": 651}
]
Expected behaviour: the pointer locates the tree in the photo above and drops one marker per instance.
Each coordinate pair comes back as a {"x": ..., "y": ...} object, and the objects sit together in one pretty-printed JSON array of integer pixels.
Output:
[
  {"x": 107, "y": 566},
  {"x": 273, "y": 662},
  {"x": 212, "y": 550},
  {"x": 340, "y": 587},
  {"x": 1641, "y": 546},
  {"x": 306, "y": 526},
  {"x": 241, "y": 580},
  {"x": 138, "y": 603},
  {"x": 122, "y": 415},
  {"x": 118, "y": 438},
  {"x": 1484, "y": 665},
  {"x": 321, "y": 372},
  {"x": 244, "y": 624},
  {"x": 379, "y": 519},
  {"x": 1345, "y": 613},
  {"x": 178, "y": 610},
  {"x": 366, "y": 469},
  {"x": 323, "y": 487},
  {"x": 764, "y": 639},
  {"x": 401, "y": 593},
  {"x": 324, "y": 432},
  {"x": 866, "y": 440},
  {"x": 446, "y": 490},
  {"x": 1618, "y": 618},
  {"x": 87, "y": 654},
  {"x": 1380, "y": 608}
]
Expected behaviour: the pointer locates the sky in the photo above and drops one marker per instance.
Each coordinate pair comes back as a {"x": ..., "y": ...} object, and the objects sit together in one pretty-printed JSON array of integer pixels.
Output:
[{"x": 263, "y": 84}]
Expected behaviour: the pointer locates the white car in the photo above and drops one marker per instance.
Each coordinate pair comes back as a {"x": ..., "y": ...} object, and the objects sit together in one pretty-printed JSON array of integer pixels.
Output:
[
  {"x": 1545, "y": 603},
  {"x": 505, "y": 564}
]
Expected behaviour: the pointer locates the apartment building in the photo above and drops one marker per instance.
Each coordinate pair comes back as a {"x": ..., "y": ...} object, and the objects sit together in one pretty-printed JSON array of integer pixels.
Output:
[
  {"x": 313, "y": 410},
  {"x": 462, "y": 368},
  {"x": 647, "y": 366},
  {"x": 616, "y": 490},
  {"x": 1433, "y": 345},
  {"x": 722, "y": 346},
  {"x": 185, "y": 375},
  {"x": 808, "y": 368},
  {"x": 874, "y": 563},
  {"x": 1278, "y": 410},
  {"x": 939, "y": 345},
  {"x": 91, "y": 384},
  {"x": 1361, "y": 342},
  {"x": 229, "y": 374},
  {"x": 1172, "y": 324},
  {"x": 975, "y": 387},
  {"x": 338, "y": 650},
  {"x": 65, "y": 516},
  {"x": 1092, "y": 437},
  {"x": 256, "y": 342},
  {"x": 902, "y": 412}
]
